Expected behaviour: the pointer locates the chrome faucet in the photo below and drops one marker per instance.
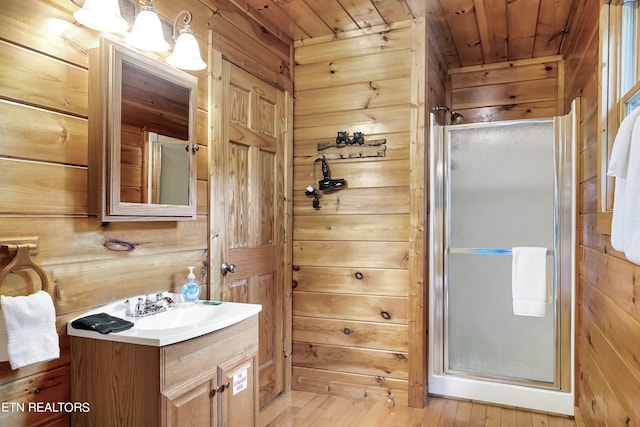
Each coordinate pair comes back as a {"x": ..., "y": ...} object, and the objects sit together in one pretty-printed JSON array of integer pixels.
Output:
[
  {"x": 163, "y": 301},
  {"x": 147, "y": 307}
]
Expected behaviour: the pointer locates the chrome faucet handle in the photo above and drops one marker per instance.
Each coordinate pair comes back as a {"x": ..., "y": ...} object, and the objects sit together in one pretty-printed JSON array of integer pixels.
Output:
[
  {"x": 128, "y": 311},
  {"x": 140, "y": 306},
  {"x": 165, "y": 302}
]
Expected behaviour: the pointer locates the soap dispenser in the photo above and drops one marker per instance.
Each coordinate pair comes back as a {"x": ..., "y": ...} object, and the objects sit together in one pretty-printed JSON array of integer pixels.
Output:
[{"x": 191, "y": 289}]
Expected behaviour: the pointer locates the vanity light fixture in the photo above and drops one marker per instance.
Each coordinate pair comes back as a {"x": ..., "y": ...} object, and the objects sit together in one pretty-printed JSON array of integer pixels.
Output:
[
  {"x": 186, "y": 52},
  {"x": 102, "y": 15},
  {"x": 147, "y": 30}
]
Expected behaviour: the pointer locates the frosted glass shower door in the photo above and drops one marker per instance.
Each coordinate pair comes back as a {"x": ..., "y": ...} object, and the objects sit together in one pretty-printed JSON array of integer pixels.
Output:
[{"x": 499, "y": 193}]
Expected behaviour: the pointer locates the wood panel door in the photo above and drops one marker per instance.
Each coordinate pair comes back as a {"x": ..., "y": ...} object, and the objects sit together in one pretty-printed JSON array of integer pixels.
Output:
[
  {"x": 237, "y": 399},
  {"x": 195, "y": 407},
  {"x": 250, "y": 206}
]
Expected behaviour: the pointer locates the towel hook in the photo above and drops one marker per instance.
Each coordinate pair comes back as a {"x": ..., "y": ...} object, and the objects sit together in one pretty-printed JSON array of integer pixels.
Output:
[{"x": 22, "y": 259}]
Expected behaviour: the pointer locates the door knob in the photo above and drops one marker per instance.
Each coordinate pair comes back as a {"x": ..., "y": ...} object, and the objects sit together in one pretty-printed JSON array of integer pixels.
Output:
[{"x": 227, "y": 268}]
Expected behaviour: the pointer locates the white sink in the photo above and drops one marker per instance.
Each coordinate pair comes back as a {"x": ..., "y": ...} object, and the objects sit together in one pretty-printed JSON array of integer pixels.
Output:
[
  {"x": 179, "y": 317},
  {"x": 181, "y": 322}
]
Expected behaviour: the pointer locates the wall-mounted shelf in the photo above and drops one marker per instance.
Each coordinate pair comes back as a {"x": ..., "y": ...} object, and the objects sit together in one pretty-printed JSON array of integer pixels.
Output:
[{"x": 371, "y": 148}]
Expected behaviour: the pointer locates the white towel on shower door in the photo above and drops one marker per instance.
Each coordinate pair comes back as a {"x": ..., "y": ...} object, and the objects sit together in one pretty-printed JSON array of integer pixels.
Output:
[{"x": 529, "y": 281}]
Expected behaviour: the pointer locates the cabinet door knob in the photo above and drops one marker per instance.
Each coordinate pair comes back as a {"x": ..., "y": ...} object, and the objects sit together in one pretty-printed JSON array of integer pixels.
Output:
[{"x": 219, "y": 389}]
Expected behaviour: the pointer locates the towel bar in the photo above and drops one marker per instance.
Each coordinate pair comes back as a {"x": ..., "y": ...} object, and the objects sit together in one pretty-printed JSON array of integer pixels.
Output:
[
  {"x": 22, "y": 259},
  {"x": 486, "y": 251}
]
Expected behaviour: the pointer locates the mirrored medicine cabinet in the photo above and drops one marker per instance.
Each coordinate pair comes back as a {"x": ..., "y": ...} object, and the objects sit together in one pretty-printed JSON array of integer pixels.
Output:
[{"x": 142, "y": 137}]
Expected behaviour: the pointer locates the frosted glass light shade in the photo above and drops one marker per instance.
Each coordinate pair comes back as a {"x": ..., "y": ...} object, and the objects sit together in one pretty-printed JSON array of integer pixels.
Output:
[
  {"x": 101, "y": 15},
  {"x": 186, "y": 53},
  {"x": 147, "y": 31}
]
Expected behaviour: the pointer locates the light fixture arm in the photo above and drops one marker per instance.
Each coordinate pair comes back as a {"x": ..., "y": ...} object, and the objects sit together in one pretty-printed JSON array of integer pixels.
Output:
[
  {"x": 187, "y": 17},
  {"x": 186, "y": 52}
]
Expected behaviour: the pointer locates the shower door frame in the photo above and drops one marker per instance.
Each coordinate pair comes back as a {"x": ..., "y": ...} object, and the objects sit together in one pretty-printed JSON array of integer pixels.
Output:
[{"x": 556, "y": 397}]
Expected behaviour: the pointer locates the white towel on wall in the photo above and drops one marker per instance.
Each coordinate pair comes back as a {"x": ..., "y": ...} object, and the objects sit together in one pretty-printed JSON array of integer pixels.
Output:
[
  {"x": 529, "y": 281},
  {"x": 31, "y": 329},
  {"x": 624, "y": 165}
]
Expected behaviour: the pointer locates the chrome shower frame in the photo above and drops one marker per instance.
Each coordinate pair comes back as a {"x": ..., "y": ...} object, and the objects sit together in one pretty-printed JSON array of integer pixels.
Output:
[{"x": 442, "y": 381}]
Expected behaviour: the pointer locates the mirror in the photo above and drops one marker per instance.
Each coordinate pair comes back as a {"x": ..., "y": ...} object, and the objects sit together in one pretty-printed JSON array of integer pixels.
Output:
[
  {"x": 142, "y": 141},
  {"x": 168, "y": 177}
]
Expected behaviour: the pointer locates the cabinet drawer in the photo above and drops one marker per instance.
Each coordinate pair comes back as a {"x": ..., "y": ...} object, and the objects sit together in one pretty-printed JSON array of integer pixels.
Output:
[{"x": 199, "y": 356}]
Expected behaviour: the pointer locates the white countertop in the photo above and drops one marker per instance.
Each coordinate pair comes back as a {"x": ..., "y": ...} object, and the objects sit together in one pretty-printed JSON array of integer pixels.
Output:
[{"x": 179, "y": 323}]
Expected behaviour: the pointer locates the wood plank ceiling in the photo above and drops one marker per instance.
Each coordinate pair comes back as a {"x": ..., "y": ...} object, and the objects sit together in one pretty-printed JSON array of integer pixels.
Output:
[{"x": 468, "y": 32}]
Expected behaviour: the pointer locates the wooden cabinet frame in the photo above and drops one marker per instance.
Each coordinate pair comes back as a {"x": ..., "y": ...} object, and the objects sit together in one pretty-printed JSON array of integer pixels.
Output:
[{"x": 107, "y": 114}]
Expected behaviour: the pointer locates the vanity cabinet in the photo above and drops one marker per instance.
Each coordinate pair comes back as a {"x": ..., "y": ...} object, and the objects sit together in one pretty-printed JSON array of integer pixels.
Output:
[{"x": 205, "y": 381}]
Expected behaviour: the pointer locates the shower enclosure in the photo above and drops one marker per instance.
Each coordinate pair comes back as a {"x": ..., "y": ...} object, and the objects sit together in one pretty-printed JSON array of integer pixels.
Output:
[{"x": 496, "y": 186}]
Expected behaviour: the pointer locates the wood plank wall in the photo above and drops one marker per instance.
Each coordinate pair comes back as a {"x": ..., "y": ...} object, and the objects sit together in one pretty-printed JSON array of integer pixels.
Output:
[
  {"x": 515, "y": 90},
  {"x": 43, "y": 174},
  {"x": 353, "y": 272},
  {"x": 43, "y": 193},
  {"x": 608, "y": 330}
]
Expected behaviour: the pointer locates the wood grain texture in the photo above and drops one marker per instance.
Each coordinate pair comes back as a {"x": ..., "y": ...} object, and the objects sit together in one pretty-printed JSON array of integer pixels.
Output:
[
  {"x": 44, "y": 106},
  {"x": 43, "y": 163},
  {"x": 469, "y": 32},
  {"x": 356, "y": 257},
  {"x": 41, "y": 389},
  {"x": 355, "y": 227},
  {"x": 60, "y": 86},
  {"x": 42, "y": 188},
  {"x": 356, "y": 386},
  {"x": 320, "y": 407},
  {"x": 351, "y": 254},
  {"x": 356, "y": 280},
  {"x": 351, "y": 359},
  {"x": 609, "y": 317},
  {"x": 118, "y": 362},
  {"x": 253, "y": 208},
  {"x": 354, "y": 307},
  {"x": 418, "y": 235},
  {"x": 531, "y": 88},
  {"x": 375, "y": 335},
  {"x": 130, "y": 384},
  {"x": 40, "y": 134}
]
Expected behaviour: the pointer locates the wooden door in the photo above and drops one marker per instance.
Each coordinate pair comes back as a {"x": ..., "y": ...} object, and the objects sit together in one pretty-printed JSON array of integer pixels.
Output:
[
  {"x": 193, "y": 407},
  {"x": 238, "y": 405},
  {"x": 249, "y": 209}
]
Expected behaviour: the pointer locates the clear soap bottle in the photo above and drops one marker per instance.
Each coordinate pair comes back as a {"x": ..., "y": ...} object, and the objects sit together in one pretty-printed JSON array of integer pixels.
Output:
[{"x": 191, "y": 289}]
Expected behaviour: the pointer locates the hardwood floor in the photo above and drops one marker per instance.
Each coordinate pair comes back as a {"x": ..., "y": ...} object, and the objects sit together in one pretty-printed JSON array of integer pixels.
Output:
[{"x": 303, "y": 409}]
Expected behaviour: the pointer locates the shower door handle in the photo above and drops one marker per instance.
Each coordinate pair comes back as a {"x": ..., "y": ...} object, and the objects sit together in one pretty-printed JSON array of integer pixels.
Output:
[{"x": 486, "y": 251}]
